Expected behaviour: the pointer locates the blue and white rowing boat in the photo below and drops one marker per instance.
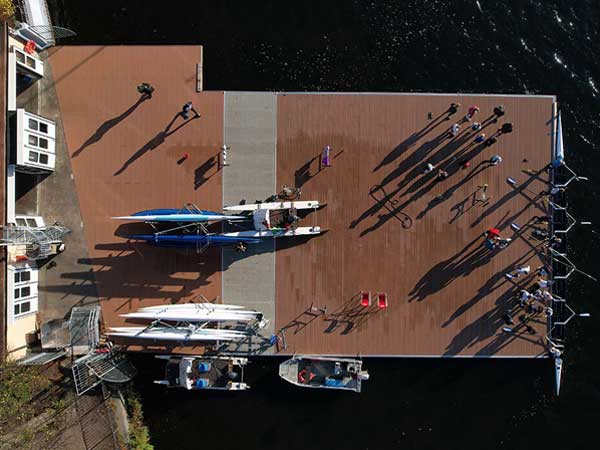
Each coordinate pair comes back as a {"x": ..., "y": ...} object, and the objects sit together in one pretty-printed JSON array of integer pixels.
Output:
[{"x": 178, "y": 216}]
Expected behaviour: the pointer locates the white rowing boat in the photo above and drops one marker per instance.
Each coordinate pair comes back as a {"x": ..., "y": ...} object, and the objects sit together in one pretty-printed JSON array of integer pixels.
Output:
[
  {"x": 163, "y": 333},
  {"x": 276, "y": 232},
  {"x": 195, "y": 315},
  {"x": 312, "y": 204},
  {"x": 205, "y": 306}
]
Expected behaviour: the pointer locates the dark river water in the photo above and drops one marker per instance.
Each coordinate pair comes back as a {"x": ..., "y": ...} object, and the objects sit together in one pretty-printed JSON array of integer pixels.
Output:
[{"x": 520, "y": 47}]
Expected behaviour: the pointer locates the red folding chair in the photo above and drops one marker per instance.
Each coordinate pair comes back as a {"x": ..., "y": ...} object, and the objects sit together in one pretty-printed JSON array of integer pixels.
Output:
[
  {"x": 382, "y": 302},
  {"x": 365, "y": 299}
]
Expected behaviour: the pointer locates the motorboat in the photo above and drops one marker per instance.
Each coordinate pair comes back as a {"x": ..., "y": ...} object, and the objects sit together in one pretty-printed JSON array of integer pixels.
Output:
[
  {"x": 324, "y": 372},
  {"x": 202, "y": 373}
]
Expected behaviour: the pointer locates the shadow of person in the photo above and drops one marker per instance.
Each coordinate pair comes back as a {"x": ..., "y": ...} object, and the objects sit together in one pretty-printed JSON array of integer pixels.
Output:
[
  {"x": 473, "y": 255},
  {"x": 201, "y": 171},
  {"x": 110, "y": 123},
  {"x": 155, "y": 142},
  {"x": 303, "y": 174},
  {"x": 410, "y": 141}
]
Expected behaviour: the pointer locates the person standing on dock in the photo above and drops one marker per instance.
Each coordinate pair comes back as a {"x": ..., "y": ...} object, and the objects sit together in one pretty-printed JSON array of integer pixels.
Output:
[
  {"x": 453, "y": 109},
  {"x": 495, "y": 160},
  {"x": 428, "y": 168},
  {"x": 185, "y": 110},
  {"x": 499, "y": 111},
  {"x": 518, "y": 272},
  {"x": 553, "y": 191},
  {"x": 471, "y": 113},
  {"x": 506, "y": 128},
  {"x": 480, "y": 138},
  {"x": 524, "y": 298},
  {"x": 454, "y": 129},
  {"x": 544, "y": 284},
  {"x": 145, "y": 89}
]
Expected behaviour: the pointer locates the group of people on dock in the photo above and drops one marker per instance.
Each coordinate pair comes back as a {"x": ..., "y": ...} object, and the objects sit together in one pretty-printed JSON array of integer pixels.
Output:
[
  {"x": 475, "y": 127},
  {"x": 536, "y": 300}
]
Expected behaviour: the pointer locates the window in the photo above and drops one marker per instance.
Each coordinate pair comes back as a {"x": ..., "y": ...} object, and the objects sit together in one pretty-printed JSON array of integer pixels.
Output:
[
  {"x": 31, "y": 223},
  {"x": 25, "y": 291},
  {"x": 22, "y": 308},
  {"x": 22, "y": 277},
  {"x": 33, "y": 156},
  {"x": 43, "y": 159},
  {"x": 20, "y": 57},
  {"x": 33, "y": 140},
  {"x": 44, "y": 127},
  {"x": 43, "y": 143},
  {"x": 30, "y": 62},
  {"x": 33, "y": 124}
]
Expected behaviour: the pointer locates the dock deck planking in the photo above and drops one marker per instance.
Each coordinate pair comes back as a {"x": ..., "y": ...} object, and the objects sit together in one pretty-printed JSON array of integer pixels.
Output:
[
  {"x": 122, "y": 163},
  {"x": 447, "y": 294}
]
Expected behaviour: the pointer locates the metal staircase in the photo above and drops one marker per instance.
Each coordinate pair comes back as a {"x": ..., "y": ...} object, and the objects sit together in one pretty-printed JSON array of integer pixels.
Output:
[{"x": 38, "y": 241}]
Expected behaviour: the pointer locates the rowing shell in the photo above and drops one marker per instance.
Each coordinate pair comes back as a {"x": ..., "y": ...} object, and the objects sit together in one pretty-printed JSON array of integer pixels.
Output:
[
  {"x": 177, "y": 334},
  {"x": 195, "y": 315},
  {"x": 313, "y": 204},
  {"x": 192, "y": 218},
  {"x": 274, "y": 232},
  {"x": 202, "y": 306}
]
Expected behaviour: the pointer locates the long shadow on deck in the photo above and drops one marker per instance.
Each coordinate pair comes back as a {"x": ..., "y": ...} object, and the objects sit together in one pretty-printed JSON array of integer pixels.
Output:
[
  {"x": 459, "y": 265},
  {"x": 520, "y": 189},
  {"x": 201, "y": 175},
  {"x": 110, "y": 123},
  {"x": 135, "y": 271},
  {"x": 155, "y": 141},
  {"x": 420, "y": 182},
  {"x": 495, "y": 282},
  {"x": 412, "y": 140},
  {"x": 491, "y": 323}
]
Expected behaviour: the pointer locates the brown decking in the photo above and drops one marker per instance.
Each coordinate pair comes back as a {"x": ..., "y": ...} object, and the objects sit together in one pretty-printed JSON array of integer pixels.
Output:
[
  {"x": 124, "y": 154},
  {"x": 447, "y": 294}
]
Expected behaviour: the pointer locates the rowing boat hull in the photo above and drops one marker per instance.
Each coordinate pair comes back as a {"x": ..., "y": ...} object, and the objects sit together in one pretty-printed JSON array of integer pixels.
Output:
[
  {"x": 188, "y": 315},
  {"x": 313, "y": 204},
  {"x": 275, "y": 233},
  {"x": 179, "y": 218},
  {"x": 174, "y": 334},
  {"x": 192, "y": 240},
  {"x": 203, "y": 306}
]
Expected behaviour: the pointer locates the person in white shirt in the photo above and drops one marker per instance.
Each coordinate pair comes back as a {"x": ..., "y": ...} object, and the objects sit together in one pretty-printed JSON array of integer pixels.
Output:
[
  {"x": 495, "y": 160},
  {"x": 518, "y": 272}
]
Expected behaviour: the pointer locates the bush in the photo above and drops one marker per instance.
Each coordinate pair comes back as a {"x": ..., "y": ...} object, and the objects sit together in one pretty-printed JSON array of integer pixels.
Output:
[
  {"x": 7, "y": 10},
  {"x": 139, "y": 436}
]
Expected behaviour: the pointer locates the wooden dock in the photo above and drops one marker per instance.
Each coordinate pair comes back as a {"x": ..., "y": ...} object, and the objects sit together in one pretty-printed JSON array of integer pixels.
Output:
[{"x": 390, "y": 228}]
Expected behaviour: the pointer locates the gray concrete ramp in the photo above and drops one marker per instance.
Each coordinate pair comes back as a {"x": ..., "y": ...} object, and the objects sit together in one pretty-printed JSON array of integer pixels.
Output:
[{"x": 250, "y": 132}]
